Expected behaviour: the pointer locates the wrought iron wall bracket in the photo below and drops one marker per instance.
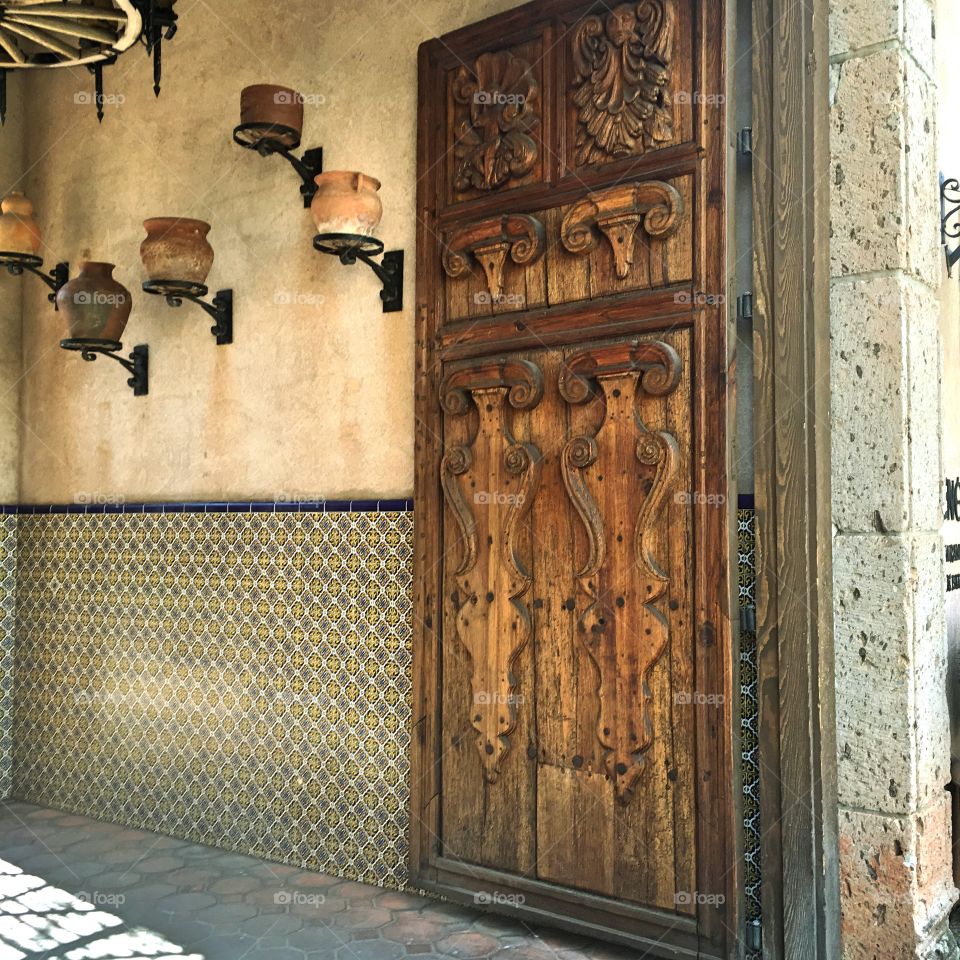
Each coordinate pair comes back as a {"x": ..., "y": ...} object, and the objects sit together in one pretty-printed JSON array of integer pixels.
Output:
[
  {"x": 221, "y": 308},
  {"x": 137, "y": 366},
  {"x": 950, "y": 220},
  {"x": 16, "y": 263},
  {"x": 159, "y": 24},
  {"x": 269, "y": 139},
  {"x": 349, "y": 248}
]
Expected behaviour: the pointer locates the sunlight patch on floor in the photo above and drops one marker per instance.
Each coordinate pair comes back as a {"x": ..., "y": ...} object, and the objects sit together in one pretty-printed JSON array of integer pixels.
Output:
[{"x": 39, "y": 919}]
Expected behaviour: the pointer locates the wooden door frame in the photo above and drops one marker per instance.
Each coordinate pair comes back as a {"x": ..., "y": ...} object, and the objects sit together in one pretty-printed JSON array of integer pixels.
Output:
[{"x": 798, "y": 790}]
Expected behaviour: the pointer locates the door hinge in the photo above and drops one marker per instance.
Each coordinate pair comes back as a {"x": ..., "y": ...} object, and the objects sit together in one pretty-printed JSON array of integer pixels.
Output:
[
  {"x": 745, "y": 141},
  {"x": 748, "y": 619},
  {"x": 745, "y": 306}
]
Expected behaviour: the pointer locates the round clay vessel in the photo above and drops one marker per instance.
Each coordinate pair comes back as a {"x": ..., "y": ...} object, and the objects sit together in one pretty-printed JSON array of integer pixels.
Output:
[
  {"x": 346, "y": 202},
  {"x": 95, "y": 305},
  {"x": 176, "y": 249},
  {"x": 269, "y": 103},
  {"x": 19, "y": 232}
]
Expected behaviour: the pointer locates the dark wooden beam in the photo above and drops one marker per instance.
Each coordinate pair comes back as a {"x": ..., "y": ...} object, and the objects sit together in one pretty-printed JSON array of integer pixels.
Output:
[{"x": 792, "y": 407}]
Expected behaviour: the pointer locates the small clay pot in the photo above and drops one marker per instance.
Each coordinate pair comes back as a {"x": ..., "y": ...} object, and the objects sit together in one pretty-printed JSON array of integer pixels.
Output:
[
  {"x": 176, "y": 249},
  {"x": 19, "y": 232},
  {"x": 346, "y": 202},
  {"x": 95, "y": 305},
  {"x": 269, "y": 103}
]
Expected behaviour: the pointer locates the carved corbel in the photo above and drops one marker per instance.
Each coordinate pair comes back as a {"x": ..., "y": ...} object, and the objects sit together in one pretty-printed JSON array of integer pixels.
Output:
[
  {"x": 489, "y": 241},
  {"x": 657, "y": 362},
  {"x": 617, "y": 213},
  {"x": 617, "y": 479},
  {"x": 489, "y": 484}
]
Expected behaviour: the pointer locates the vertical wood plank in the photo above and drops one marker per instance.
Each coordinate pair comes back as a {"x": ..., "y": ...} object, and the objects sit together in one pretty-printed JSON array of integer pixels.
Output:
[{"x": 791, "y": 339}]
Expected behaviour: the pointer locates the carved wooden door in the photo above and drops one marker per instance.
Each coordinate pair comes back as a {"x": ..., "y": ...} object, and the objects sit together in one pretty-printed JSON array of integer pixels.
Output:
[{"x": 573, "y": 699}]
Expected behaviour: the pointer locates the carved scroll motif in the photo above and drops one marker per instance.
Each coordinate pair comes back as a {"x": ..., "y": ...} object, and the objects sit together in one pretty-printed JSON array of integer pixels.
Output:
[
  {"x": 489, "y": 486},
  {"x": 617, "y": 213},
  {"x": 622, "y": 629},
  {"x": 489, "y": 241},
  {"x": 494, "y": 143},
  {"x": 621, "y": 90}
]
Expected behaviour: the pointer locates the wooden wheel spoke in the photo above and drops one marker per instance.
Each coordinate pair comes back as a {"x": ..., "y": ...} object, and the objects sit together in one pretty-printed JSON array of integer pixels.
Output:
[
  {"x": 84, "y": 31},
  {"x": 38, "y": 33},
  {"x": 9, "y": 44}
]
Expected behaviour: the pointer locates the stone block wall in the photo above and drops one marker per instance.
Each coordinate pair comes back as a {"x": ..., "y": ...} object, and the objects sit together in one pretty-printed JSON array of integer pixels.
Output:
[{"x": 892, "y": 722}]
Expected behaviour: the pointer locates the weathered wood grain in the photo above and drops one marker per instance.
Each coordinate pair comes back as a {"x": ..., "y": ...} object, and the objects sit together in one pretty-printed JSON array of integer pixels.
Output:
[
  {"x": 791, "y": 344},
  {"x": 604, "y": 793}
]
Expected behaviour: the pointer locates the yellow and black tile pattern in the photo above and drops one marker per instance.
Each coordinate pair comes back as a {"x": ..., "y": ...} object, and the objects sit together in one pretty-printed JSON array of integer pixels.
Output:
[
  {"x": 235, "y": 679},
  {"x": 749, "y": 710},
  {"x": 8, "y": 595}
]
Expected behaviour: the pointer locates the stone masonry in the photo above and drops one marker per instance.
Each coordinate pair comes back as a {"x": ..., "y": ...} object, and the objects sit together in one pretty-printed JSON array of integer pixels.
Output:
[{"x": 892, "y": 725}]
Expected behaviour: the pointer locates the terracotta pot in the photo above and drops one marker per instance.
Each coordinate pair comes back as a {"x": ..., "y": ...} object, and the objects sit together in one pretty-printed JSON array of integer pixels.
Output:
[
  {"x": 95, "y": 305},
  {"x": 19, "y": 232},
  {"x": 346, "y": 202},
  {"x": 269, "y": 103},
  {"x": 176, "y": 249}
]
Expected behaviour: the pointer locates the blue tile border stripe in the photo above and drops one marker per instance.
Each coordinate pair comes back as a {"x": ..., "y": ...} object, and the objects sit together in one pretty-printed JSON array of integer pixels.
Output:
[
  {"x": 744, "y": 502},
  {"x": 232, "y": 506}
]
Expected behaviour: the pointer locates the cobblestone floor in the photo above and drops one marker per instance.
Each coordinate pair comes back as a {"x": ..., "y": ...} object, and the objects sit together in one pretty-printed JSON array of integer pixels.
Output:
[{"x": 77, "y": 889}]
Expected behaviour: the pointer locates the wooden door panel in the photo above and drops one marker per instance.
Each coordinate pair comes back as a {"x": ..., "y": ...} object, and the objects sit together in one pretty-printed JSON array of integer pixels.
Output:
[
  {"x": 631, "y": 237},
  {"x": 629, "y": 73},
  {"x": 490, "y": 480},
  {"x": 496, "y": 127},
  {"x": 572, "y": 742}
]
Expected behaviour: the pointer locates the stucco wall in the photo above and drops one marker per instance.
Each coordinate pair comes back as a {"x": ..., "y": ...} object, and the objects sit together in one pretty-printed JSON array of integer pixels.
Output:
[
  {"x": 315, "y": 396},
  {"x": 12, "y": 166}
]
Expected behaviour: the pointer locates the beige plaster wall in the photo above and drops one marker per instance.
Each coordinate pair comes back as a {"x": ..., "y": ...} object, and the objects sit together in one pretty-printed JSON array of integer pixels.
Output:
[
  {"x": 315, "y": 396},
  {"x": 12, "y": 165}
]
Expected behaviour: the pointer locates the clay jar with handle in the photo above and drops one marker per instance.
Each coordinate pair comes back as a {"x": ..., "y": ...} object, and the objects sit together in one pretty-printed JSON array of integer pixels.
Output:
[
  {"x": 95, "y": 305},
  {"x": 271, "y": 104},
  {"x": 19, "y": 232},
  {"x": 176, "y": 249},
  {"x": 346, "y": 202}
]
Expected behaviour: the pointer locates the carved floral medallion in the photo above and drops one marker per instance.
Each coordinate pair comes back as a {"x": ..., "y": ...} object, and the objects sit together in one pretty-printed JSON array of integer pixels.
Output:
[{"x": 493, "y": 142}]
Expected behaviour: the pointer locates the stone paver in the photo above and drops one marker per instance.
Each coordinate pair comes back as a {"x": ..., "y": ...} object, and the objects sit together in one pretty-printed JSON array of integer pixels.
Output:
[{"x": 206, "y": 904}]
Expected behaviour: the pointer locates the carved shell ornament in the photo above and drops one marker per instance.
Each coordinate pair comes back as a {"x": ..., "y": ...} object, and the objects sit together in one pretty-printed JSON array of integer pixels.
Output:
[
  {"x": 621, "y": 93},
  {"x": 494, "y": 143}
]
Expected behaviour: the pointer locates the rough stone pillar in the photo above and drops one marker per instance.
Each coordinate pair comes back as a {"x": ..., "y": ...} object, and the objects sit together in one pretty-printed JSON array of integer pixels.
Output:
[{"x": 892, "y": 724}]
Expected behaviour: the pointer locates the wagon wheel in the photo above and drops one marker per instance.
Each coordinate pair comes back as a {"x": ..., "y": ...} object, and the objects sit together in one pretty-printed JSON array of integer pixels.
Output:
[{"x": 64, "y": 33}]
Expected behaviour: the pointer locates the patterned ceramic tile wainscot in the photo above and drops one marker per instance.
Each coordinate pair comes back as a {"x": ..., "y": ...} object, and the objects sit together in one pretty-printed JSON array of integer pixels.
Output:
[
  {"x": 749, "y": 708},
  {"x": 240, "y": 679},
  {"x": 238, "y": 675},
  {"x": 8, "y": 597}
]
